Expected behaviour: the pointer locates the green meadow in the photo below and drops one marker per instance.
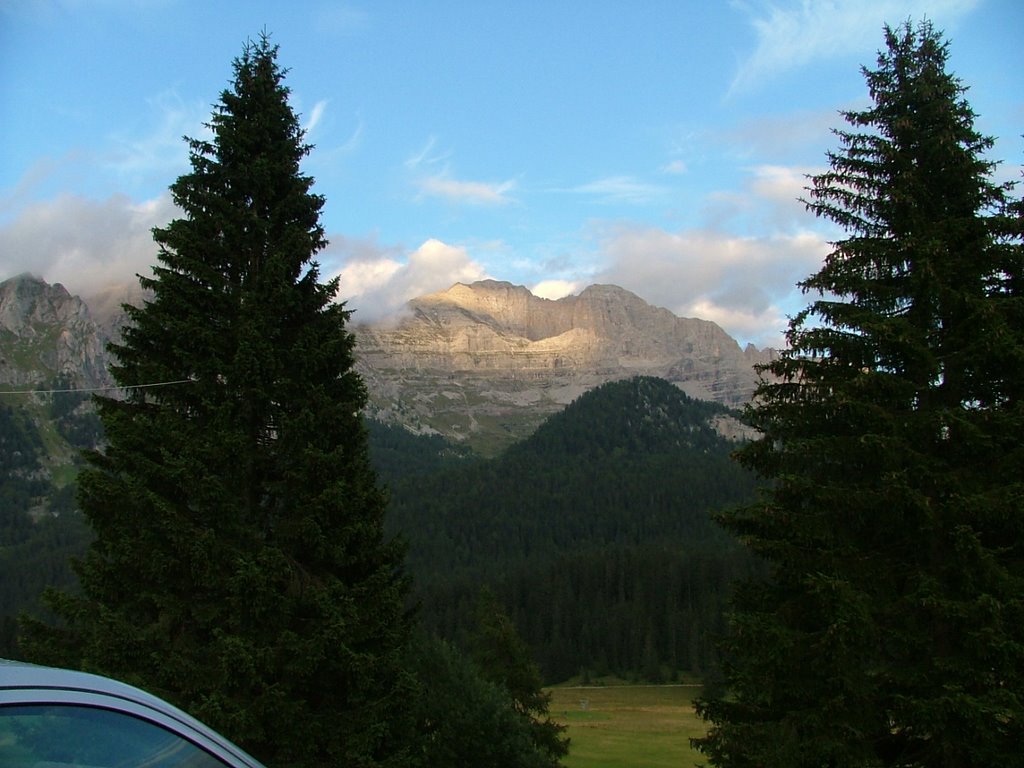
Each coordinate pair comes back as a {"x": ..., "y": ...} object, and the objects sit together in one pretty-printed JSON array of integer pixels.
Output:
[{"x": 628, "y": 726}]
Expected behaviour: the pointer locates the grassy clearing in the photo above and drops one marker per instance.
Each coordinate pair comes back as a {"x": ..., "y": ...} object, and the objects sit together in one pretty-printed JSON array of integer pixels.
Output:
[{"x": 628, "y": 726}]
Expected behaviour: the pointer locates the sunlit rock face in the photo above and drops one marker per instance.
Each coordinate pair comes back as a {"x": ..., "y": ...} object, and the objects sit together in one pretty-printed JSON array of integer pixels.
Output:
[{"x": 491, "y": 356}]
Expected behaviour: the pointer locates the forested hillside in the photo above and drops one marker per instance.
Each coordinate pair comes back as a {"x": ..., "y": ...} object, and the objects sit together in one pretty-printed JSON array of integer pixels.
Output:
[
  {"x": 595, "y": 532},
  {"x": 40, "y": 528}
]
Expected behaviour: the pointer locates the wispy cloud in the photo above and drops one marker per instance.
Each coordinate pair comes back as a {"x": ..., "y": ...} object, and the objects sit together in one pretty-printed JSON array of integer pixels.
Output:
[
  {"x": 781, "y": 184},
  {"x": 352, "y": 142},
  {"x": 160, "y": 151},
  {"x": 674, "y": 168},
  {"x": 621, "y": 189},
  {"x": 340, "y": 19},
  {"x": 792, "y": 134},
  {"x": 433, "y": 177},
  {"x": 472, "y": 192},
  {"x": 315, "y": 116},
  {"x": 42, "y": 170},
  {"x": 427, "y": 156},
  {"x": 793, "y": 34}
]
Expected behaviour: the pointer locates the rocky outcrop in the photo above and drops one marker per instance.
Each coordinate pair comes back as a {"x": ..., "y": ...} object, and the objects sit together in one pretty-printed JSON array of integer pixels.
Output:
[
  {"x": 45, "y": 332},
  {"x": 491, "y": 353}
]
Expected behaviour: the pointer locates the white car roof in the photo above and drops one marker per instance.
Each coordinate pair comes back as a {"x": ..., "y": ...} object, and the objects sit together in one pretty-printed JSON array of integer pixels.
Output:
[{"x": 22, "y": 683}]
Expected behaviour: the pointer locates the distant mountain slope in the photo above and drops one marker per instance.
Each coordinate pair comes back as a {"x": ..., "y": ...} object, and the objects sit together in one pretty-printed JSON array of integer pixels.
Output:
[
  {"x": 49, "y": 344},
  {"x": 46, "y": 333},
  {"x": 483, "y": 364},
  {"x": 607, "y": 504},
  {"x": 489, "y": 361}
]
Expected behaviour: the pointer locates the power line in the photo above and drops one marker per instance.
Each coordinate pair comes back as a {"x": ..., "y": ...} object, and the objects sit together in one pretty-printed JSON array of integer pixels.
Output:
[{"x": 93, "y": 389}]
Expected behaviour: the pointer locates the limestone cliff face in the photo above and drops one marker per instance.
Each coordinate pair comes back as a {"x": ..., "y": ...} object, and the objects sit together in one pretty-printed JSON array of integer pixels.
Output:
[
  {"x": 501, "y": 330},
  {"x": 492, "y": 351},
  {"x": 46, "y": 332}
]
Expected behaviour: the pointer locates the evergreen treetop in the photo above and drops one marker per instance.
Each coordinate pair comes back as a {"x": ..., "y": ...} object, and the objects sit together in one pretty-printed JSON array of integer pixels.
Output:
[
  {"x": 240, "y": 567},
  {"x": 889, "y": 632}
]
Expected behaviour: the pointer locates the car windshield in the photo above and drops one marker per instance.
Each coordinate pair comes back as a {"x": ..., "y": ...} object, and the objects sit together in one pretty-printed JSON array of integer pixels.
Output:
[{"x": 61, "y": 736}]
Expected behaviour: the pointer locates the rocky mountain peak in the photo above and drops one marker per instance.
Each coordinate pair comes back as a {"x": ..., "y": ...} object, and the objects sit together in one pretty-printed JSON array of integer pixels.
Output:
[
  {"x": 46, "y": 332},
  {"x": 467, "y": 357},
  {"x": 26, "y": 301},
  {"x": 493, "y": 325}
]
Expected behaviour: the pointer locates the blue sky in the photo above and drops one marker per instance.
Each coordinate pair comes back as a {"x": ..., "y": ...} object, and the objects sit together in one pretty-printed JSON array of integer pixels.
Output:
[{"x": 660, "y": 146}]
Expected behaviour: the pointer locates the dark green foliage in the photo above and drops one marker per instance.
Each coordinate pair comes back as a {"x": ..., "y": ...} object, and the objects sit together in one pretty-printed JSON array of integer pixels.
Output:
[
  {"x": 463, "y": 720},
  {"x": 504, "y": 659},
  {"x": 594, "y": 532},
  {"x": 399, "y": 455},
  {"x": 34, "y": 555},
  {"x": 21, "y": 448},
  {"x": 891, "y": 630},
  {"x": 73, "y": 415},
  {"x": 39, "y": 527},
  {"x": 240, "y": 567}
]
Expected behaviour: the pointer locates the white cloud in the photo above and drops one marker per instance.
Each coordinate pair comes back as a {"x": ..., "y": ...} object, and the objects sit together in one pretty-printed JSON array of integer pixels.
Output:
[
  {"x": 377, "y": 282},
  {"x": 353, "y": 141},
  {"x": 745, "y": 284},
  {"x": 781, "y": 184},
  {"x": 17, "y": 197},
  {"x": 794, "y": 34},
  {"x": 362, "y": 278},
  {"x": 557, "y": 289},
  {"x": 767, "y": 201},
  {"x": 426, "y": 156},
  {"x": 339, "y": 19},
  {"x": 793, "y": 135},
  {"x": 90, "y": 246},
  {"x": 87, "y": 245}
]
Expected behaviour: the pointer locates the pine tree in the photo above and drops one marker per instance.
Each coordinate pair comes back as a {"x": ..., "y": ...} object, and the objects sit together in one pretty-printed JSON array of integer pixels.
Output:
[
  {"x": 240, "y": 566},
  {"x": 464, "y": 720},
  {"x": 503, "y": 659},
  {"x": 890, "y": 631}
]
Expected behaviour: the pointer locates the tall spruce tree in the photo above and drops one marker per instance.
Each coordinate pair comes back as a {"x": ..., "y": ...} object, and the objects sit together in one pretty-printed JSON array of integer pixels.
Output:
[
  {"x": 240, "y": 567},
  {"x": 890, "y": 631}
]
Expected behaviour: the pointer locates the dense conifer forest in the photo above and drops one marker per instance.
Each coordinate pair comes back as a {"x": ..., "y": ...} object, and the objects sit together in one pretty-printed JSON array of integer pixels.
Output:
[
  {"x": 40, "y": 528},
  {"x": 594, "y": 533}
]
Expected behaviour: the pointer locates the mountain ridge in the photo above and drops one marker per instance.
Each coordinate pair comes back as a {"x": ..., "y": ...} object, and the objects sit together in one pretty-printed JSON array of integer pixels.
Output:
[
  {"x": 490, "y": 357},
  {"x": 482, "y": 363}
]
